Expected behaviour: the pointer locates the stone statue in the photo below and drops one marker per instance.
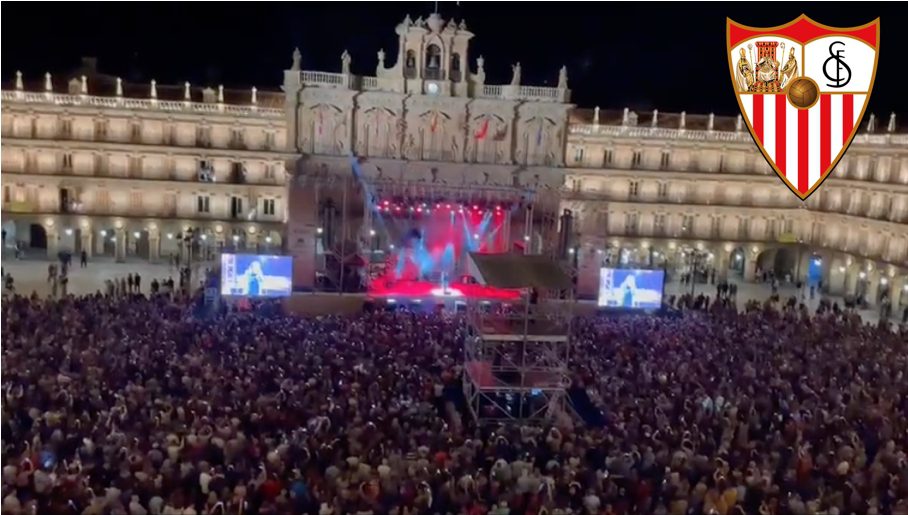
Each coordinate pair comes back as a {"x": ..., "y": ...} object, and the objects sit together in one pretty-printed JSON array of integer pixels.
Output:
[
  {"x": 295, "y": 66},
  {"x": 889, "y": 128},
  {"x": 739, "y": 123},
  {"x": 683, "y": 123},
  {"x": 711, "y": 122},
  {"x": 154, "y": 89},
  {"x": 381, "y": 59},
  {"x": 83, "y": 89},
  {"x": 187, "y": 96},
  {"x": 655, "y": 122},
  {"x": 562, "y": 78},
  {"x": 596, "y": 116},
  {"x": 19, "y": 86},
  {"x": 407, "y": 21},
  {"x": 48, "y": 85},
  {"x": 419, "y": 22},
  {"x": 515, "y": 77},
  {"x": 463, "y": 25},
  {"x": 480, "y": 65},
  {"x": 871, "y": 123},
  {"x": 119, "y": 87},
  {"x": 255, "y": 95},
  {"x": 345, "y": 63},
  {"x": 221, "y": 94}
]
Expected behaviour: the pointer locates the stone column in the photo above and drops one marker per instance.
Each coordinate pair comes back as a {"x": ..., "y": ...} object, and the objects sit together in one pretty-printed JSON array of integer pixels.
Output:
[
  {"x": 851, "y": 279},
  {"x": 750, "y": 268},
  {"x": 53, "y": 240},
  {"x": 896, "y": 291},
  {"x": 120, "y": 240},
  {"x": 723, "y": 259},
  {"x": 86, "y": 235},
  {"x": 873, "y": 287},
  {"x": 99, "y": 244},
  {"x": 252, "y": 241},
  {"x": 154, "y": 244}
]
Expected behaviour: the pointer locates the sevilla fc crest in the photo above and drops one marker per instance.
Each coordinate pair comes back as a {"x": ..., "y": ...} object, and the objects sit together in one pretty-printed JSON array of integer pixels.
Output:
[{"x": 803, "y": 88}]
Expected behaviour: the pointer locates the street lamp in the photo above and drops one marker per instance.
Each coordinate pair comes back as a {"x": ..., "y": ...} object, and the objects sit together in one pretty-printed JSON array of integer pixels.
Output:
[{"x": 695, "y": 258}]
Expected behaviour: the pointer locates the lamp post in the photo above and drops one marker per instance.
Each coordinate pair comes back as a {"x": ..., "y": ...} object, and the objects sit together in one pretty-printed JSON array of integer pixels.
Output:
[{"x": 695, "y": 258}]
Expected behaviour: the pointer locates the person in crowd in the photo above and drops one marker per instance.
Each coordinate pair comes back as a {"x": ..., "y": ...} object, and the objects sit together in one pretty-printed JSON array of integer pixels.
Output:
[{"x": 135, "y": 405}]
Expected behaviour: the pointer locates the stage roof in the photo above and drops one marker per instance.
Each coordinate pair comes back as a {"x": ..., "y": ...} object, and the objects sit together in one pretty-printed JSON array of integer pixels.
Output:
[{"x": 518, "y": 271}]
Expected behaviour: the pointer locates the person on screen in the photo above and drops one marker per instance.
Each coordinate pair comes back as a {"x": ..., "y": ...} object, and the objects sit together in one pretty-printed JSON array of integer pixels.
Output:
[
  {"x": 253, "y": 278},
  {"x": 628, "y": 291}
]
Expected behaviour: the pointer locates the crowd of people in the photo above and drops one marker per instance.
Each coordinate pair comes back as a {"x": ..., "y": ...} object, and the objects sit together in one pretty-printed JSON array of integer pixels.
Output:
[{"x": 133, "y": 404}]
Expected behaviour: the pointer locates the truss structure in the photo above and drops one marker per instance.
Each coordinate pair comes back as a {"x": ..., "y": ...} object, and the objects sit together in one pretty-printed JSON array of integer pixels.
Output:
[{"x": 516, "y": 360}]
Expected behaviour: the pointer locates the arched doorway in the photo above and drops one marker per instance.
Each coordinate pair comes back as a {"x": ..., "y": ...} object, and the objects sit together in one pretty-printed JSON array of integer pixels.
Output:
[
  {"x": 37, "y": 236},
  {"x": 9, "y": 234}
]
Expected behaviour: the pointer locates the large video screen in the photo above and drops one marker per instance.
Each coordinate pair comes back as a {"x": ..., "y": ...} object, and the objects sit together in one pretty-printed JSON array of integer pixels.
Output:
[
  {"x": 256, "y": 275},
  {"x": 631, "y": 288}
]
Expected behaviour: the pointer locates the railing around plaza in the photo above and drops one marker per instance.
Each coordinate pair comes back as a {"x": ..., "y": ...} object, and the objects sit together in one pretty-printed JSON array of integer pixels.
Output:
[
  {"x": 147, "y": 104},
  {"x": 634, "y": 132}
]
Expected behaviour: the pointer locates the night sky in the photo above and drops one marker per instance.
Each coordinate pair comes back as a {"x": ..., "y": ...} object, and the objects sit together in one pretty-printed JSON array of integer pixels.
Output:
[{"x": 648, "y": 55}]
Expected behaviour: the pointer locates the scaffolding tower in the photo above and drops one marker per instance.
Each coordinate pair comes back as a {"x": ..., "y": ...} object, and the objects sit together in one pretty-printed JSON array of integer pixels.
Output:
[{"x": 516, "y": 356}]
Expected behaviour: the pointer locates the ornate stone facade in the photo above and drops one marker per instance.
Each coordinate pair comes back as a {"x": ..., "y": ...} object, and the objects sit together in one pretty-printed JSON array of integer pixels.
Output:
[{"x": 643, "y": 188}]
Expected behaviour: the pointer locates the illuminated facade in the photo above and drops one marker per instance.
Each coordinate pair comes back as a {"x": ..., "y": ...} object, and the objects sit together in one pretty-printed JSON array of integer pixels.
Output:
[{"x": 653, "y": 189}]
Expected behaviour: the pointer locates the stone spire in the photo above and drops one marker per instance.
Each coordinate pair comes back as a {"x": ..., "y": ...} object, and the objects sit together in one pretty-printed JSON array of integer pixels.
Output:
[
  {"x": 221, "y": 94},
  {"x": 683, "y": 124},
  {"x": 891, "y": 126},
  {"x": 626, "y": 116},
  {"x": 84, "y": 86},
  {"x": 187, "y": 91},
  {"x": 119, "y": 87},
  {"x": 871, "y": 123},
  {"x": 712, "y": 122},
  {"x": 739, "y": 123},
  {"x": 596, "y": 116},
  {"x": 297, "y": 56},
  {"x": 19, "y": 86},
  {"x": 154, "y": 89},
  {"x": 48, "y": 85},
  {"x": 255, "y": 92},
  {"x": 655, "y": 122}
]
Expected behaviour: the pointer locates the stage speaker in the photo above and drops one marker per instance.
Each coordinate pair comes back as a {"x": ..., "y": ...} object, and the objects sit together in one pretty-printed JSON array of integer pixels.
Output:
[{"x": 567, "y": 229}]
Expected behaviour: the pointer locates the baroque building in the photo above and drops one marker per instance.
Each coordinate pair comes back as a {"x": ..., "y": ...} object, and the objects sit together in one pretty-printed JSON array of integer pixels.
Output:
[{"x": 125, "y": 169}]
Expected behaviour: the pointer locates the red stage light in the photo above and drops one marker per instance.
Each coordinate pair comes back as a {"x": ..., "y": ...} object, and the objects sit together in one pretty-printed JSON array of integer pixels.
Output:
[
  {"x": 475, "y": 206},
  {"x": 386, "y": 202},
  {"x": 437, "y": 206}
]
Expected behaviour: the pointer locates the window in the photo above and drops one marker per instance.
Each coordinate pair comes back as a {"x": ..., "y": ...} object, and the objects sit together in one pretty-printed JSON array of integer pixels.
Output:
[
  {"x": 206, "y": 171},
  {"x": 633, "y": 189},
  {"x": 607, "y": 158},
  {"x": 663, "y": 190},
  {"x": 101, "y": 129},
  {"x": 204, "y": 204},
  {"x": 636, "y": 159},
  {"x": 66, "y": 128},
  {"x": 659, "y": 225},
  {"x": 687, "y": 223},
  {"x": 410, "y": 65},
  {"x": 268, "y": 206},
  {"x": 578, "y": 154},
  {"x": 203, "y": 136},
  {"x": 664, "y": 162},
  {"x": 269, "y": 140},
  {"x": 67, "y": 161},
  {"x": 6, "y": 194},
  {"x": 269, "y": 171},
  {"x": 630, "y": 223},
  {"x": 238, "y": 173},
  {"x": 236, "y": 207},
  {"x": 715, "y": 226},
  {"x": 136, "y": 132},
  {"x": 721, "y": 163},
  {"x": 455, "y": 67},
  {"x": 237, "y": 139}
]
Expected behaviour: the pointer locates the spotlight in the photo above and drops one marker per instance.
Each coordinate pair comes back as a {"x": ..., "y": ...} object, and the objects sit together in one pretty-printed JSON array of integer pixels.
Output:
[
  {"x": 319, "y": 230},
  {"x": 419, "y": 210},
  {"x": 103, "y": 233},
  {"x": 391, "y": 246},
  {"x": 862, "y": 275},
  {"x": 137, "y": 234},
  {"x": 437, "y": 206},
  {"x": 475, "y": 206},
  {"x": 371, "y": 232},
  {"x": 204, "y": 237},
  {"x": 69, "y": 232},
  {"x": 113, "y": 239},
  {"x": 884, "y": 281},
  {"x": 571, "y": 250},
  {"x": 170, "y": 236},
  {"x": 526, "y": 237},
  {"x": 236, "y": 238},
  {"x": 386, "y": 202},
  {"x": 267, "y": 239},
  {"x": 842, "y": 269},
  {"x": 475, "y": 236},
  {"x": 391, "y": 301},
  {"x": 448, "y": 206}
]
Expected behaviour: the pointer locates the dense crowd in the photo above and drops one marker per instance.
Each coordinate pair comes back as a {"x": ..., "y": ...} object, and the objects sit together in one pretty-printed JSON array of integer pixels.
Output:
[{"x": 134, "y": 405}]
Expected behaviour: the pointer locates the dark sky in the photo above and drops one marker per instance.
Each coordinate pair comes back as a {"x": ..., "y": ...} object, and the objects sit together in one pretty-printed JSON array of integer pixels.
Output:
[{"x": 646, "y": 55}]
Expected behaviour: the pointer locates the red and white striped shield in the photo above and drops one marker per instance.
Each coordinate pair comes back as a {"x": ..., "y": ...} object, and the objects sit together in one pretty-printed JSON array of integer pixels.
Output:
[{"x": 803, "y": 88}]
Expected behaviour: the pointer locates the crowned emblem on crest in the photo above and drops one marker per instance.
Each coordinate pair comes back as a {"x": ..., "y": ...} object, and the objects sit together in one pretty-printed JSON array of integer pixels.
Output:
[{"x": 803, "y": 88}]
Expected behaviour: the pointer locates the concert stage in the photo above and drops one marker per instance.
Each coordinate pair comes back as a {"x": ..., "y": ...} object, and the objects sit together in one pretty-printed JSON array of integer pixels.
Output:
[{"x": 425, "y": 291}]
